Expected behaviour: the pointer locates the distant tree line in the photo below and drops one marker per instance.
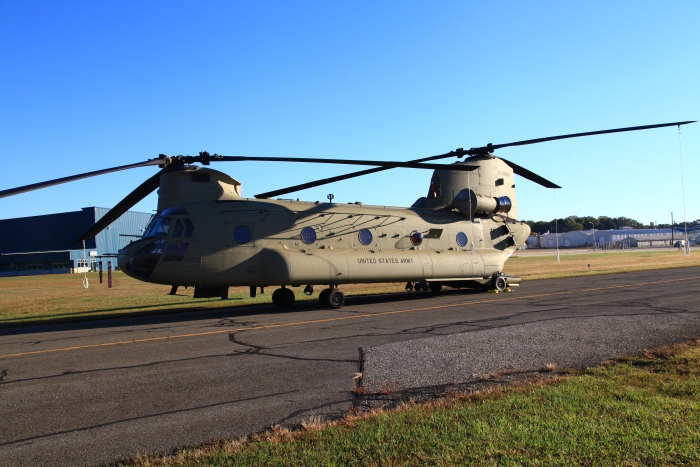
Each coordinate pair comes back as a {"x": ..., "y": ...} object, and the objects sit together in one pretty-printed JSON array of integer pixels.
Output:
[{"x": 600, "y": 223}]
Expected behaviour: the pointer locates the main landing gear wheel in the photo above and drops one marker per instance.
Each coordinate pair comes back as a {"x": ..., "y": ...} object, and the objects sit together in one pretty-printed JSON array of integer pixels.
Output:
[
  {"x": 435, "y": 287},
  {"x": 336, "y": 299},
  {"x": 421, "y": 287},
  {"x": 331, "y": 298},
  {"x": 499, "y": 283},
  {"x": 283, "y": 297}
]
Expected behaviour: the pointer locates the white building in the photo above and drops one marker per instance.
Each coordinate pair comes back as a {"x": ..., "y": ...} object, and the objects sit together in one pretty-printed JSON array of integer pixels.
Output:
[
  {"x": 576, "y": 239},
  {"x": 610, "y": 239}
]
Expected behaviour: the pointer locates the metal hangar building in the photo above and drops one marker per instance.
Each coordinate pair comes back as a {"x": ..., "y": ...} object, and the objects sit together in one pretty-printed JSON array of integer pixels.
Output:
[{"x": 47, "y": 244}]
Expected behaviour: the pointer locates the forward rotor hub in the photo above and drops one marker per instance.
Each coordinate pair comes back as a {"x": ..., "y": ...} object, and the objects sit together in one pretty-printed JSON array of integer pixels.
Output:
[{"x": 203, "y": 158}]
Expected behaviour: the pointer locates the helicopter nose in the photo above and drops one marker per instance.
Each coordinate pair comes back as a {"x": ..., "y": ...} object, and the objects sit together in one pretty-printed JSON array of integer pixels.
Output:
[{"x": 139, "y": 259}]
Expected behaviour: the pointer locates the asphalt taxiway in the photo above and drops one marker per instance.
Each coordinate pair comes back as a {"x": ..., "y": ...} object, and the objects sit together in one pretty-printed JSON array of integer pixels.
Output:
[{"x": 97, "y": 392}]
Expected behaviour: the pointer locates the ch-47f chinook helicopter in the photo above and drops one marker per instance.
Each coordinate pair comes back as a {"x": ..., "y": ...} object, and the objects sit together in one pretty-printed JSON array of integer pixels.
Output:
[{"x": 206, "y": 235}]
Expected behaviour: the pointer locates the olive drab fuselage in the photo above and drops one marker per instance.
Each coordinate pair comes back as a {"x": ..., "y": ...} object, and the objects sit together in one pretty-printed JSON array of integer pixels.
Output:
[{"x": 206, "y": 234}]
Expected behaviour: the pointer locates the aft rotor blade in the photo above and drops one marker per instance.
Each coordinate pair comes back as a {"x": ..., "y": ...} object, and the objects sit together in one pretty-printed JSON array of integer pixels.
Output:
[
  {"x": 338, "y": 178},
  {"x": 386, "y": 164},
  {"x": 143, "y": 190},
  {"x": 491, "y": 147},
  {"x": 533, "y": 177},
  {"x": 58, "y": 181}
]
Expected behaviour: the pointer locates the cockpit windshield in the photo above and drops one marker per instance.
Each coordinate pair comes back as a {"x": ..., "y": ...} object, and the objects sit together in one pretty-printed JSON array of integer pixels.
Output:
[{"x": 158, "y": 227}]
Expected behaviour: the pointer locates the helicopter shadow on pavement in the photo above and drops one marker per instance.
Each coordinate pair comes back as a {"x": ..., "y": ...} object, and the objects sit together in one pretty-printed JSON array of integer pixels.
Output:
[{"x": 194, "y": 314}]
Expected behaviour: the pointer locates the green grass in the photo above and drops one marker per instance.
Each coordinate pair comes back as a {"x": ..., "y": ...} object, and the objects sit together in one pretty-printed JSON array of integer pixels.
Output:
[
  {"x": 638, "y": 412},
  {"x": 60, "y": 298},
  {"x": 611, "y": 262}
]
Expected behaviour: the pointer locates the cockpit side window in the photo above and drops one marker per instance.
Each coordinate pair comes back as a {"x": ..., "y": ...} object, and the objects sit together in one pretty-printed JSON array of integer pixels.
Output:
[
  {"x": 184, "y": 228},
  {"x": 178, "y": 229},
  {"x": 189, "y": 228}
]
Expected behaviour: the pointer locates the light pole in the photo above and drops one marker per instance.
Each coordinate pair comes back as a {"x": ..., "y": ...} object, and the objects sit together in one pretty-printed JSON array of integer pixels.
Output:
[{"x": 593, "y": 231}]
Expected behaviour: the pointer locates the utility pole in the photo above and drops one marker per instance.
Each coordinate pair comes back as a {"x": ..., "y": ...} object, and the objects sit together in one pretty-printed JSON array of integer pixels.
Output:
[{"x": 672, "y": 229}]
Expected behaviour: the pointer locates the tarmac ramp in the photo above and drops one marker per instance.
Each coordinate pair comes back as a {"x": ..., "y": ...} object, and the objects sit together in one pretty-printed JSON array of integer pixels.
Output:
[{"x": 468, "y": 358}]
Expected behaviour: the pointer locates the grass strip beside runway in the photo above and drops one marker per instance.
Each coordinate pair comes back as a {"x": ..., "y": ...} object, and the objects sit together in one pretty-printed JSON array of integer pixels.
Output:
[
  {"x": 61, "y": 297},
  {"x": 636, "y": 411}
]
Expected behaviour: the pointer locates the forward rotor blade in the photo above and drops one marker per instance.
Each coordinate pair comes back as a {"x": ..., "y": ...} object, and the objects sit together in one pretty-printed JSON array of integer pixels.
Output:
[
  {"x": 533, "y": 177},
  {"x": 325, "y": 181},
  {"x": 386, "y": 164},
  {"x": 491, "y": 147},
  {"x": 58, "y": 181},
  {"x": 143, "y": 190}
]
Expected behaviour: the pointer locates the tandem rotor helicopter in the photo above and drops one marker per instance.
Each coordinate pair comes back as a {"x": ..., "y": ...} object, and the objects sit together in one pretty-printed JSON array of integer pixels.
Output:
[{"x": 206, "y": 235}]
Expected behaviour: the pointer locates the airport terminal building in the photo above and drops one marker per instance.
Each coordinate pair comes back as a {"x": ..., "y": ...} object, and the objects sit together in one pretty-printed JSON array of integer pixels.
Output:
[{"x": 47, "y": 244}]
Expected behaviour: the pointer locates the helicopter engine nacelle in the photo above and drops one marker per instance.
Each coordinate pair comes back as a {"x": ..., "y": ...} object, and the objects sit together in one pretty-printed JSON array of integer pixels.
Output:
[{"x": 469, "y": 203}]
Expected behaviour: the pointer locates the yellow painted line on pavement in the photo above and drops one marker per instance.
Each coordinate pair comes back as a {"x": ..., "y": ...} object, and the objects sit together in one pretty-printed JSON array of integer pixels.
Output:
[{"x": 339, "y": 318}]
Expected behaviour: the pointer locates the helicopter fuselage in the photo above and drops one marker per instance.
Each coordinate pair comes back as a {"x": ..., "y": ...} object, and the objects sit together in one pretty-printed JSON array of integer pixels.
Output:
[{"x": 258, "y": 243}]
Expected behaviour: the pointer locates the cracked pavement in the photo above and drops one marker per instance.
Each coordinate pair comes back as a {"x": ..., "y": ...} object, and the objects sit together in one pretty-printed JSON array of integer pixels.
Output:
[{"x": 97, "y": 392}]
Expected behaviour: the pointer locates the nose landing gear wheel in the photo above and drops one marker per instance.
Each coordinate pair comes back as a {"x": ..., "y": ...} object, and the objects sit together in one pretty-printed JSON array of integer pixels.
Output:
[{"x": 283, "y": 297}]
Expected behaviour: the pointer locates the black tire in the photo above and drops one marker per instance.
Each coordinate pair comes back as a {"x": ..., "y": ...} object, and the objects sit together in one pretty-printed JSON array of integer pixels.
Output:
[
  {"x": 435, "y": 287},
  {"x": 425, "y": 287},
  {"x": 277, "y": 297},
  {"x": 288, "y": 297},
  {"x": 336, "y": 299},
  {"x": 323, "y": 298},
  {"x": 499, "y": 283},
  {"x": 283, "y": 297}
]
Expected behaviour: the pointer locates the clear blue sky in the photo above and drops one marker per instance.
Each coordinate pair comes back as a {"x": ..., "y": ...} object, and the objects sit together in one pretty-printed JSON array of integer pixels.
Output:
[{"x": 86, "y": 85}]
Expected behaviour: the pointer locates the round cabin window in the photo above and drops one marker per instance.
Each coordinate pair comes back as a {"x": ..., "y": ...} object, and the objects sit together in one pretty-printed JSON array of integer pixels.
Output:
[
  {"x": 242, "y": 234},
  {"x": 416, "y": 238},
  {"x": 462, "y": 239},
  {"x": 365, "y": 236},
  {"x": 308, "y": 235}
]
